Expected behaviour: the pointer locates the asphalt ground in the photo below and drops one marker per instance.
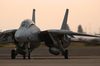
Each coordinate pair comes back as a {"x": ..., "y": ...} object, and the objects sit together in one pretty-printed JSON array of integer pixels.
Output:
[
  {"x": 51, "y": 62},
  {"x": 78, "y": 56},
  {"x": 44, "y": 51}
]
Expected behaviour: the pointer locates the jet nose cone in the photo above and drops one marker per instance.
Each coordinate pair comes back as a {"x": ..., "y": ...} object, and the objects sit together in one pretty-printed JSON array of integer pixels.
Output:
[
  {"x": 18, "y": 37},
  {"x": 21, "y": 36}
]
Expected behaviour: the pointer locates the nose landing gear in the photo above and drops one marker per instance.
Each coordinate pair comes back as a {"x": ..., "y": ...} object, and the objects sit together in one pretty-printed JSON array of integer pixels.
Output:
[
  {"x": 24, "y": 56},
  {"x": 28, "y": 51}
]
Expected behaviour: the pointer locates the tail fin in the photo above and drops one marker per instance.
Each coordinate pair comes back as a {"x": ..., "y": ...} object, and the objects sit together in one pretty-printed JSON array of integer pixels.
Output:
[
  {"x": 63, "y": 27},
  {"x": 80, "y": 29},
  {"x": 33, "y": 16}
]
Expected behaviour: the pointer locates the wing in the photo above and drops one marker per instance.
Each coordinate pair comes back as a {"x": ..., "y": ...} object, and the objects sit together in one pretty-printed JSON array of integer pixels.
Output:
[
  {"x": 7, "y": 36},
  {"x": 60, "y": 33}
]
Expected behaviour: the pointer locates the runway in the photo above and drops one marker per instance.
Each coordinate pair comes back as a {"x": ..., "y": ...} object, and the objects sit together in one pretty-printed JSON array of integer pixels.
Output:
[
  {"x": 73, "y": 61},
  {"x": 42, "y": 57}
]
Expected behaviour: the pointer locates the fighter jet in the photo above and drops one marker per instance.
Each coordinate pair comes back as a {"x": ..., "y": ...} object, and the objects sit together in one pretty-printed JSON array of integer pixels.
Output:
[{"x": 29, "y": 37}]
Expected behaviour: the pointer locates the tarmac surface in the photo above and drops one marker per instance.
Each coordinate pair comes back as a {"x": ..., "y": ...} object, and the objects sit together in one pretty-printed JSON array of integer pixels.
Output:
[{"x": 83, "y": 56}]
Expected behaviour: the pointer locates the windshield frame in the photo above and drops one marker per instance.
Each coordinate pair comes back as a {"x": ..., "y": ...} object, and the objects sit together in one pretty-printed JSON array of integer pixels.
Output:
[
  {"x": 23, "y": 24},
  {"x": 27, "y": 24}
]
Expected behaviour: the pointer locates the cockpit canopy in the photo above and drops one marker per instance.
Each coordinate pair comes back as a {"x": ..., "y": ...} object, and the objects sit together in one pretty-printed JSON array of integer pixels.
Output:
[{"x": 27, "y": 23}]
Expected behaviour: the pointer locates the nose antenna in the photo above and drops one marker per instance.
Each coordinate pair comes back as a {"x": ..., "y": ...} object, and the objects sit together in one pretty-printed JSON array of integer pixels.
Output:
[{"x": 33, "y": 16}]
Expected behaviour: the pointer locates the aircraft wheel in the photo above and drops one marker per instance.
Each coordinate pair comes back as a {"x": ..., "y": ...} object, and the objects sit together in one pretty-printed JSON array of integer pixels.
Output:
[
  {"x": 13, "y": 54},
  {"x": 29, "y": 56},
  {"x": 66, "y": 54},
  {"x": 24, "y": 56}
]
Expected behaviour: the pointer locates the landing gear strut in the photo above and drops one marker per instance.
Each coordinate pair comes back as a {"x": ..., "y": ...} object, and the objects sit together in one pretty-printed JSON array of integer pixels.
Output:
[
  {"x": 64, "y": 52},
  {"x": 13, "y": 54},
  {"x": 27, "y": 51}
]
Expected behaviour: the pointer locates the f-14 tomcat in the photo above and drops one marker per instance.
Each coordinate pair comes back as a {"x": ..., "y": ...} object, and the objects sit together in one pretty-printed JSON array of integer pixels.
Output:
[{"x": 29, "y": 37}]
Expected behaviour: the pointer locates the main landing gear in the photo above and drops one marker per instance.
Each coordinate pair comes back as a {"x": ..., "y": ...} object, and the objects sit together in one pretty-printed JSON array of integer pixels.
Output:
[
  {"x": 66, "y": 54},
  {"x": 13, "y": 54}
]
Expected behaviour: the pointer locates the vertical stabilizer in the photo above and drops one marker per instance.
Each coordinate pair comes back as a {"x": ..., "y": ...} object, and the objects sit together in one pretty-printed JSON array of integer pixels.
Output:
[
  {"x": 67, "y": 27},
  {"x": 64, "y": 24},
  {"x": 80, "y": 29},
  {"x": 33, "y": 16}
]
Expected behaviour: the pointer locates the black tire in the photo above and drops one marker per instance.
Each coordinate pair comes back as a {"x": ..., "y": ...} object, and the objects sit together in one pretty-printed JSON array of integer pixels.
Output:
[
  {"x": 29, "y": 56},
  {"x": 13, "y": 54},
  {"x": 24, "y": 56},
  {"x": 66, "y": 54}
]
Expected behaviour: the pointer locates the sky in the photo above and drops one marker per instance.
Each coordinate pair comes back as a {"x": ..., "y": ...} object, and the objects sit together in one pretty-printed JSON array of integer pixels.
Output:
[{"x": 50, "y": 13}]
